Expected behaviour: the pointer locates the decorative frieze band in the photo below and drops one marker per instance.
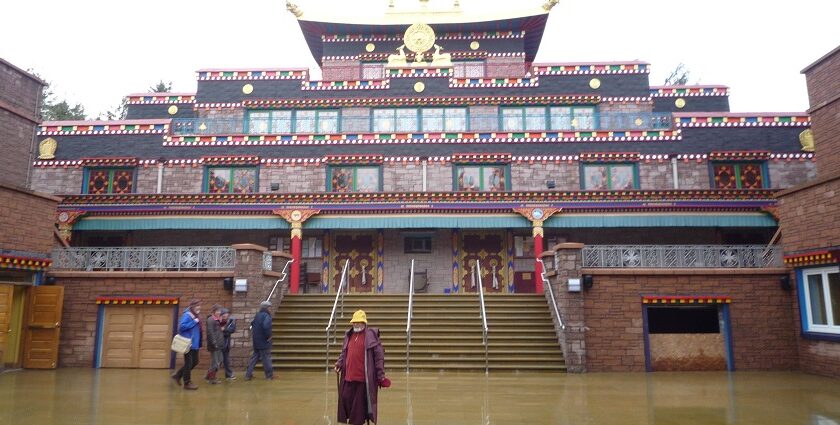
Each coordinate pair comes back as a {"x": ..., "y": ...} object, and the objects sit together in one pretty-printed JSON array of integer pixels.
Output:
[
  {"x": 813, "y": 258},
  {"x": 740, "y": 120},
  {"x": 137, "y": 300},
  {"x": 231, "y": 160},
  {"x": 739, "y": 155},
  {"x": 484, "y": 158},
  {"x": 160, "y": 98},
  {"x": 346, "y": 85},
  {"x": 609, "y": 157},
  {"x": 475, "y": 35},
  {"x": 420, "y": 101},
  {"x": 686, "y": 299},
  {"x": 494, "y": 82},
  {"x": 15, "y": 262},
  {"x": 594, "y": 69},
  {"x": 258, "y": 74},
  {"x": 57, "y": 128},
  {"x": 688, "y": 91},
  {"x": 354, "y": 159}
]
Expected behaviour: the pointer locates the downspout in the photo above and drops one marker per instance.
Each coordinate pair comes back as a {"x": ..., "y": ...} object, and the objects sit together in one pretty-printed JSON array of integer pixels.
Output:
[
  {"x": 424, "y": 162},
  {"x": 160, "y": 176},
  {"x": 674, "y": 173}
]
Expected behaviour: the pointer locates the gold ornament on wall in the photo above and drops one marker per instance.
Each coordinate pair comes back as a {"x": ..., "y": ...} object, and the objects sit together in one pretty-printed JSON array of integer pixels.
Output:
[
  {"x": 370, "y": 47},
  {"x": 46, "y": 149},
  {"x": 474, "y": 45},
  {"x": 172, "y": 110},
  {"x": 679, "y": 103},
  {"x": 419, "y": 87},
  {"x": 806, "y": 139},
  {"x": 419, "y": 38},
  {"x": 594, "y": 83},
  {"x": 247, "y": 89}
]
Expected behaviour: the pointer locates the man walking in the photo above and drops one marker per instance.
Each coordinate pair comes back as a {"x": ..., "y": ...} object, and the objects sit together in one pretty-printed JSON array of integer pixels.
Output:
[
  {"x": 228, "y": 328},
  {"x": 261, "y": 336},
  {"x": 215, "y": 343},
  {"x": 189, "y": 327}
]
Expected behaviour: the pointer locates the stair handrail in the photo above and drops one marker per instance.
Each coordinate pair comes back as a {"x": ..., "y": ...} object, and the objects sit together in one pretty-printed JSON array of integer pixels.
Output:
[
  {"x": 547, "y": 284},
  {"x": 483, "y": 316},
  {"x": 331, "y": 324},
  {"x": 282, "y": 278},
  {"x": 408, "y": 319}
]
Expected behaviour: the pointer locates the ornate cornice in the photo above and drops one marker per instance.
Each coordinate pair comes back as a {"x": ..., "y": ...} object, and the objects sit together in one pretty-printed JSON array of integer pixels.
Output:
[
  {"x": 160, "y": 98},
  {"x": 421, "y": 101},
  {"x": 686, "y": 299},
  {"x": 58, "y": 128},
  {"x": 137, "y": 300},
  {"x": 813, "y": 258},
  {"x": 475, "y": 35},
  {"x": 591, "y": 69},
  {"x": 252, "y": 74},
  {"x": 15, "y": 262},
  {"x": 740, "y": 120},
  {"x": 688, "y": 91}
]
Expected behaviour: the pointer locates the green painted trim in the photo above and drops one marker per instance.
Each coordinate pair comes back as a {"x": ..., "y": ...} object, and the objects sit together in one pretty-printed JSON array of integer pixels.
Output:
[
  {"x": 688, "y": 220},
  {"x": 417, "y": 222},
  {"x": 185, "y": 223}
]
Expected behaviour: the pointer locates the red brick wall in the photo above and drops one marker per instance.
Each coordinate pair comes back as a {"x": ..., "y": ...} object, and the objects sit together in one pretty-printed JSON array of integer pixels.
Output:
[
  {"x": 817, "y": 357},
  {"x": 78, "y": 329},
  {"x": 27, "y": 220},
  {"x": 19, "y": 102},
  {"x": 763, "y": 336},
  {"x": 809, "y": 217},
  {"x": 504, "y": 66},
  {"x": 823, "y": 82},
  {"x": 340, "y": 70}
]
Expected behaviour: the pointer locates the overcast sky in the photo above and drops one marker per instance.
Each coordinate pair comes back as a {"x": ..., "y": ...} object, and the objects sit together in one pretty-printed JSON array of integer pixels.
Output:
[{"x": 95, "y": 51}]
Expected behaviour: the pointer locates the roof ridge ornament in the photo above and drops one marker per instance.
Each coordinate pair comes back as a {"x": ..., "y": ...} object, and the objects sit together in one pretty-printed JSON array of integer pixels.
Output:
[
  {"x": 549, "y": 4},
  {"x": 293, "y": 9}
]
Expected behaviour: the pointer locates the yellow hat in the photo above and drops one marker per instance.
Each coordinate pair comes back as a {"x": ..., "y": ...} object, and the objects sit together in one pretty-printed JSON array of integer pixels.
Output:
[{"x": 359, "y": 317}]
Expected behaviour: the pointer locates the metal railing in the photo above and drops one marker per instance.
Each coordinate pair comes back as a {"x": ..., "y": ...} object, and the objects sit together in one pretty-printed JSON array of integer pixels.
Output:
[
  {"x": 282, "y": 278},
  {"x": 408, "y": 319},
  {"x": 483, "y": 315},
  {"x": 682, "y": 256},
  {"x": 331, "y": 324},
  {"x": 157, "y": 258},
  {"x": 400, "y": 124},
  {"x": 552, "y": 299}
]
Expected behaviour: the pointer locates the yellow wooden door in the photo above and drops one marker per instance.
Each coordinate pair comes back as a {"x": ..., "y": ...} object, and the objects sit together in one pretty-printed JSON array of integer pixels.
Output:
[
  {"x": 6, "y": 297},
  {"x": 137, "y": 336},
  {"x": 43, "y": 322}
]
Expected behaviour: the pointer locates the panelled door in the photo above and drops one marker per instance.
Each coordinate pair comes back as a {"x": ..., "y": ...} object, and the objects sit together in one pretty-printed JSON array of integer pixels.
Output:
[
  {"x": 359, "y": 250},
  {"x": 43, "y": 322},
  {"x": 137, "y": 336},
  {"x": 6, "y": 296}
]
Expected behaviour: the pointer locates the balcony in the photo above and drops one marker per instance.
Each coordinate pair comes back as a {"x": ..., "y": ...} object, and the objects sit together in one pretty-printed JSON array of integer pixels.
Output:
[
  {"x": 170, "y": 258},
  {"x": 401, "y": 124},
  {"x": 682, "y": 256}
]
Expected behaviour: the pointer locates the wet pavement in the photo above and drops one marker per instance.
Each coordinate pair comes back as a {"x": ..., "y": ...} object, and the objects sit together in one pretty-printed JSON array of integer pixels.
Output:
[{"x": 130, "y": 396}]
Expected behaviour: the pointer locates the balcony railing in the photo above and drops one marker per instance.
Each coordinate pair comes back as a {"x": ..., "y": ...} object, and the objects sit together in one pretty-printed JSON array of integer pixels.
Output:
[
  {"x": 682, "y": 256},
  {"x": 475, "y": 123},
  {"x": 168, "y": 258}
]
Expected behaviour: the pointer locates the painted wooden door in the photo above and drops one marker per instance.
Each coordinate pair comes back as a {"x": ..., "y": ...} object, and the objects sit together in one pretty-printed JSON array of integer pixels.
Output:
[
  {"x": 136, "y": 336},
  {"x": 361, "y": 253},
  {"x": 6, "y": 297},
  {"x": 43, "y": 323},
  {"x": 489, "y": 249}
]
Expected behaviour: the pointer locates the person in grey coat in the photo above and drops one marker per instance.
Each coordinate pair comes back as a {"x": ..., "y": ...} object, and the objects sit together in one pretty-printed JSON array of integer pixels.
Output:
[
  {"x": 228, "y": 328},
  {"x": 215, "y": 343},
  {"x": 261, "y": 336}
]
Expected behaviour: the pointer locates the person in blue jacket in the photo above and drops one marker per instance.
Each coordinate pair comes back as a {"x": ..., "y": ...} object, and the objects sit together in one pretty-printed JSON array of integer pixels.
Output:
[
  {"x": 261, "y": 335},
  {"x": 189, "y": 327}
]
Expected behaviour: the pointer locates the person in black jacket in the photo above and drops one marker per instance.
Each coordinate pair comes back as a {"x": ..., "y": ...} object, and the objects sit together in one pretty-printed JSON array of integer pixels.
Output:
[
  {"x": 261, "y": 335},
  {"x": 215, "y": 343},
  {"x": 228, "y": 328}
]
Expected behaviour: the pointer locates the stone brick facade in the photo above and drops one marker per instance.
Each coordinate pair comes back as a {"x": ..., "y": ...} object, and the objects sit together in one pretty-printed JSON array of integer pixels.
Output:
[
  {"x": 809, "y": 215},
  {"x": 693, "y": 175},
  {"x": 504, "y": 66},
  {"x": 340, "y": 69},
  {"x": 399, "y": 177},
  {"x": 182, "y": 179},
  {"x": 147, "y": 179},
  {"x": 27, "y": 220},
  {"x": 398, "y": 263},
  {"x": 20, "y": 102},
  {"x": 786, "y": 174},
  {"x": 294, "y": 179},
  {"x": 566, "y": 176},
  {"x": 655, "y": 175},
  {"x": 439, "y": 177},
  {"x": 58, "y": 181},
  {"x": 824, "y": 97}
]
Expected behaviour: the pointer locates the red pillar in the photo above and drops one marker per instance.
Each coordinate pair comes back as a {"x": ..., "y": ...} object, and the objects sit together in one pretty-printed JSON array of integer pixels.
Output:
[
  {"x": 294, "y": 282},
  {"x": 538, "y": 249}
]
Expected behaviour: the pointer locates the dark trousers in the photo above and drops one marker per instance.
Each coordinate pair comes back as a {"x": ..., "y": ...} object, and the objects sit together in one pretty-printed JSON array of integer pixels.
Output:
[
  {"x": 354, "y": 402},
  {"x": 226, "y": 362},
  {"x": 190, "y": 362},
  {"x": 264, "y": 356}
]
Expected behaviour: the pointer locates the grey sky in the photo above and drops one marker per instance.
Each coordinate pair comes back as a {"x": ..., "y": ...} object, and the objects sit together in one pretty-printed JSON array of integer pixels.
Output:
[{"x": 96, "y": 51}]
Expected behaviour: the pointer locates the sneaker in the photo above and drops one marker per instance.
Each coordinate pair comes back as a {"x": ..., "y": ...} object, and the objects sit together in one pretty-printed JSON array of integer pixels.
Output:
[
  {"x": 248, "y": 378},
  {"x": 176, "y": 378},
  {"x": 213, "y": 381},
  {"x": 190, "y": 386},
  {"x": 230, "y": 378}
]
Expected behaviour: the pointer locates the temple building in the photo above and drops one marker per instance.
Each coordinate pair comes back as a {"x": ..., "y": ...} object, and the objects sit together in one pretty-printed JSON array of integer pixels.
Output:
[{"x": 434, "y": 141}]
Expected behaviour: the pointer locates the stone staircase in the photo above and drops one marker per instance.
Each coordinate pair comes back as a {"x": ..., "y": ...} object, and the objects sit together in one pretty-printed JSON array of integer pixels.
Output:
[{"x": 446, "y": 332}]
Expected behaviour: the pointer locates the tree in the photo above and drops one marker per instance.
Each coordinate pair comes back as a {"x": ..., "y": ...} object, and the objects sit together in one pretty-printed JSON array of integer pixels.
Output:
[
  {"x": 53, "y": 110},
  {"x": 117, "y": 113},
  {"x": 161, "y": 87},
  {"x": 679, "y": 76}
]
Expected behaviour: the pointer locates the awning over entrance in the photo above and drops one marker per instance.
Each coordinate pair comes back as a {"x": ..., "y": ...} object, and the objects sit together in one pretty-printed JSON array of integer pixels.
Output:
[{"x": 409, "y": 221}]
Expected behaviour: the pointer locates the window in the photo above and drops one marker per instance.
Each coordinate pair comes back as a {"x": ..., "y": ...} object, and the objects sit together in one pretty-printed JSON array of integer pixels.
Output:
[
  {"x": 523, "y": 246},
  {"x": 598, "y": 176},
  {"x": 354, "y": 179},
  {"x": 311, "y": 247},
  {"x": 418, "y": 245},
  {"x": 469, "y": 69},
  {"x": 395, "y": 120},
  {"x": 269, "y": 122},
  {"x": 109, "y": 180},
  {"x": 231, "y": 180},
  {"x": 572, "y": 118},
  {"x": 733, "y": 175},
  {"x": 822, "y": 300},
  {"x": 444, "y": 119},
  {"x": 316, "y": 121},
  {"x": 481, "y": 178}
]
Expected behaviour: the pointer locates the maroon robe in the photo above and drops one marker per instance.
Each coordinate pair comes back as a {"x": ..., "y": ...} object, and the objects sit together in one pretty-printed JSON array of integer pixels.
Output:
[{"x": 375, "y": 359}]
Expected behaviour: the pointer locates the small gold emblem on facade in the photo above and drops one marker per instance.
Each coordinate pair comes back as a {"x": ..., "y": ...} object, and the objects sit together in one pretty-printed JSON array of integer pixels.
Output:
[
  {"x": 173, "y": 110},
  {"x": 638, "y": 122},
  {"x": 680, "y": 103},
  {"x": 46, "y": 149},
  {"x": 474, "y": 45},
  {"x": 247, "y": 89},
  {"x": 594, "y": 83},
  {"x": 370, "y": 47},
  {"x": 419, "y": 87},
  {"x": 806, "y": 139}
]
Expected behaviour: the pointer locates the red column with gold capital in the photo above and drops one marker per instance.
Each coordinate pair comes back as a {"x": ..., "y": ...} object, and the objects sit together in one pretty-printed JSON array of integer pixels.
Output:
[
  {"x": 537, "y": 217},
  {"x": 296, "y": 219}
]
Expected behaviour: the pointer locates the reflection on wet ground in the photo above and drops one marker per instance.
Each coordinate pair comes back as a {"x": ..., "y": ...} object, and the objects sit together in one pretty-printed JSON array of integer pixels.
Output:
[{"x": 106, "y": 396}]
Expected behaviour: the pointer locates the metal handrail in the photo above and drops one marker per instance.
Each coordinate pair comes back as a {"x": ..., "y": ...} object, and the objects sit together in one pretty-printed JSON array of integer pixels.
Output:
[
  {"x": 282, "y": 278},
  {"x": 483, "y": 317},
  {"x": 331, "y": 324},
  {"x": 547, "y": 284},
  {"x": 408, "y": 319}
]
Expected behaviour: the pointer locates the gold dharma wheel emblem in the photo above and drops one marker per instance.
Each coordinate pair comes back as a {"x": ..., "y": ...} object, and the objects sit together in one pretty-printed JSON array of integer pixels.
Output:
[
  {"x": 419, "y": 38},
  {"x": 296, "y": 215},
  {"x": 419, "y": 87}
]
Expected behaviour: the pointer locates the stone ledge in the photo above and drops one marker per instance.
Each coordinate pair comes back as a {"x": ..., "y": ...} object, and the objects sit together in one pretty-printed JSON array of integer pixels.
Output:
[
  {"x": 567, "y": 245},
  {"x": 244, "y": 246},
  {"x": 677, "y": 272},
  {"x": 130, "y": 275}
]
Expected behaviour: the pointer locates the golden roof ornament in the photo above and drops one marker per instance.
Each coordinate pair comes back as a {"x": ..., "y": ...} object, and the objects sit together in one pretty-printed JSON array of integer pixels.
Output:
[
  {"x": 294, "y": 9},
  {"x": 806, "y": 139},
  {"x": 548, "y": 5},
  {"x": 46, "y": 149},
  {"x": 419, "y": 38}
]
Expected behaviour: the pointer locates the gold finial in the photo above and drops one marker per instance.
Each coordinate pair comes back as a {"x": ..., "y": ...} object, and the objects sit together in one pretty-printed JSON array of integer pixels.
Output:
[
  {"x": 806, "y": 139},
  {"x": 549, "y": 4},
  {"x": 173, "y": 110},
  {"x": 46, "y": 149},
  {"x": 679, "y": 103},
  {"x": 294, "y": 9}
]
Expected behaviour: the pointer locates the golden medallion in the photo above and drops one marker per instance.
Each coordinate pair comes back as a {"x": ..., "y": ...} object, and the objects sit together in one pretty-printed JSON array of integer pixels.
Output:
[
  {"x": 46, "y": 149},
  {"x": 247, "y": 89},
  {"x": 680, "y": 103},
  {"x": 419, "y": 87},
  {"x": 419, "y": 38},
  {"x": 806, "y": 139},
  {"x": 370, "y": 47},
  {"x": 173, "y": 110},
  {"x": 594, "y": 83},
  {"x": 474, "y": 45}
]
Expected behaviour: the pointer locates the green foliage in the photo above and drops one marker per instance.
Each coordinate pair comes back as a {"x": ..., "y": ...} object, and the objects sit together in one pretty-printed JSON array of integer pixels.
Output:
[
  {"x": 53, "y": 110},
  {"x": 161, "y": 87},
  {"x": 679, "y": 76}
]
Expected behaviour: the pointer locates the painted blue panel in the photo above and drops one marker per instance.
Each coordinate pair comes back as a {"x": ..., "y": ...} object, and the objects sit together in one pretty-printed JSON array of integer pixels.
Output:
[
  {"x": 754, "y": 220},
  {"x": 414, "y": 222},
  {"x": 181, "y": 223}
]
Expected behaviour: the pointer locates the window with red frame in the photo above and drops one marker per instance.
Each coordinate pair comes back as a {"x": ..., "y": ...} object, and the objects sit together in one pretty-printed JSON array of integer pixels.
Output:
[{"x": 101, "y": 181}]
